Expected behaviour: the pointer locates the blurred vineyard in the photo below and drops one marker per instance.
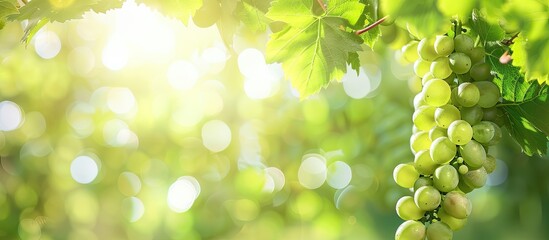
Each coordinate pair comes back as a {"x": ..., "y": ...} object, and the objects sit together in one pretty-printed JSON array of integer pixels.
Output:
[{"x": 129, "y": 125}]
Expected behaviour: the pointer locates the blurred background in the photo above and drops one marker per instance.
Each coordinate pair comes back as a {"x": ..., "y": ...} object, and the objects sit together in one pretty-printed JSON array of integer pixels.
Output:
[{"x": 130, "y": 125}]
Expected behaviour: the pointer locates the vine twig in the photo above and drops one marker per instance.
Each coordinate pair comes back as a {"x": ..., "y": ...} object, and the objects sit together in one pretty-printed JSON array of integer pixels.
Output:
[
  {"x": 369, "y": 27},
  {"x": 321, "y": 3},
  {"x": 509, "y": 41}
]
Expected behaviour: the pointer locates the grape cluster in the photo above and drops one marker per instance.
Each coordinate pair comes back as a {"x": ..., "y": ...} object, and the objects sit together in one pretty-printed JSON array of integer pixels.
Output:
[{"x": 455, "y": 121}]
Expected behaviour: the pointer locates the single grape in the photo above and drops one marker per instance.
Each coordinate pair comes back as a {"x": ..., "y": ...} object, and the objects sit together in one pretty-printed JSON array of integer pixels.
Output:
[
  {"x": 487, "y": 133},
  {"x": 457, "y": 205},
  {"x": 409, "y": 51},
  {"x": 418, "y": 101},
  {"x": 489, "y": 94},
  {"x": 420, "y": 141},
  {"x": 463, "y": 43},
  {"x": 440, "y": 68},
  {"x": 472, "y": 115},
  {"x": 446, "y": 178},
  {"x": 490, "y": 163},
  {"x": 410, "y": 230},
  {"x": 437, "y": 132},
  {"x": 475, "y": 178},
  {"x": 421, "y": 67},
  {"x": 444, "y": 45},
  {"x": 468, "y": 94},
  {"x": 426, "y": 49},
  {"x": 477, "y": 55},
  {"x": 436, "y": 92},
  {"x": 424, "y": 117},
  {"x": 423, "y": 162},
  {"x": 442, "y": 150},
  {"x": 414, "y": 84},
  {"x": 445, "y": 115},
  {"x": 451, "y": 80},
  {"x": 439, "y": 231},
  {"x": 463, "y": 169},
  {"x": 405, "y": 175},
  {"x": 422, "y": 181},
  {"x": 460, "y": 63},
  {"x": 454, "y": 223},
  {"x": 480, "y": 72},
  {"x": 494, "y": 114},
  {"x": 460, "y": 132},
  {"x": 407, "y": 210},
  {"x": 427, "y": 198},
  {"x": 473, "y": 154},
  {"x": 462, "y": 186}
]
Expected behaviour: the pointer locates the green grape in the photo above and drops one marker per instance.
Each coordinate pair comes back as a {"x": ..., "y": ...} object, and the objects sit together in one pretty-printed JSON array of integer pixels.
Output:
[
  {"x": 457, "y": 205},
  {"x": 489, "y": 94},
  {"x": 463, "y": 43},
  {"x": 475, "y": 178},
  {"x": 493, "y": 114},
  {"x": 426, "y": 49},
  {"x": 414, "y": 84},
  {"x": 480, "y": 72},
  {"x": 424, "y": 117},
  {"x": 477, "y": 55},
  {"x": 418, "y": 101},
  {"x": 468, "y": 94},
  {"x": 421, "y": 67},
  {"x": 439, "y": 231},
  {"x": 454, "y": 96},
  {"x": 454, "y": 223},
  {"x": 490, "y": 163},
  {"x": 472, "y": 115},
  {"x": 437, "y": 132},
  {"x": 409, "y": 51},
  {"x": 407, "y": 210},
  {"x": 445, "y": 115},
  {"x": 441, "y": 68},
  {"x": 446, "y": 178},
  {"x": 473, "y": 154},
  {"x": 428, "y": 76},
  {"x": 459, "y": 160},
  {"x": 420, "y": 141},
  {"x": 442, "y": 150},
  {"x": 405, "y": 175},
  {"x": 444, "y": 45},
  {"x": 208, "y": 14},
  {"x": 487, "y": 133},
  {"x": 410, "y": 230},
  {"x": 460, "y": 63},
  {"x": 427, "y": 198},
  {"x": 451, "y": 79},
  {"x": 423, "y": 162},
  {"x": 422, "y": 181},
  {"x": 464, "y": 187},
  {"x": 460, "y": 132},
  {"x": 436, "y": 92},
  {"x": 463, "y": 169}
]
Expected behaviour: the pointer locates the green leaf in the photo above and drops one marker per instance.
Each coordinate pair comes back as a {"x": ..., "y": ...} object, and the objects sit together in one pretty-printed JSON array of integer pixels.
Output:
[
  {"x": 7, "y": 7},
  {"x": 180, "y": 9},
  {"x": 530, "y": 57},
  {"x": 370, "y": 16},
  {"x": 354, "y": 62},
  {"x": 420, "y": 17},
  {"x": 313, "y": 49},
  {"x": 227, "y": 22},
  {"x": 525, "y": 103},
  {"x": 252, "y": 17},
  {"x": 485, "y": 30}
]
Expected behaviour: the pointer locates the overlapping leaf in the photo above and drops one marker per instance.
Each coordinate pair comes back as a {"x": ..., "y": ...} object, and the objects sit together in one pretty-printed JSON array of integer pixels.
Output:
[
  {"x": 314, "y": 49},
  {"x": 180, "y": 9}
]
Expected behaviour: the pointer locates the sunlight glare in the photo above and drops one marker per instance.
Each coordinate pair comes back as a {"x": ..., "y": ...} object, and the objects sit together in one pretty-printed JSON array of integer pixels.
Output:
[
  {"x": 182, "y": 194},
  {"x": 11, "y": 116},
  {"x": 339, "y": 175},
  {"x": 216, "y": 135},
  {"x": 47, "y": 44},
  {"x": 133, "y": 208},
  {"x": 182, "y": 74},
  {"x": 84, "y": 169},
  {"x": 120, "y": 100},
  {"x": 115, "y": 54},
  {"x": 312, "y": 171}
]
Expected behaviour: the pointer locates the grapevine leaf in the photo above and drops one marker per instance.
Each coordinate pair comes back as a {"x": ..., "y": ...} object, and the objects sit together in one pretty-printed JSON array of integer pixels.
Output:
[
  {"x": 62, "y": 11},
  {"x": 313, "y": 49},
  {"x": 252, "y": 17},
  {"x": 7, "y": 7},
  {"x": 180, "y": 9},
  {"x": 370, "y": 15},
  {"x": 227, "y": 22},
  {"x": 531, "y": 140},
  {"x": 530, "y": 57},
  {"x": 485, "y": 30},
  {"x": 354, "y": 62},
  {"x": 421, "y": 18}
]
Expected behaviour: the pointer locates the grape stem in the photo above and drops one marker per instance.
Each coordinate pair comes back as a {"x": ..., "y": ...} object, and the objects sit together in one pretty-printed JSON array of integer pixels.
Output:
[
  {"x": 373, "y": 25},
  {"x": 321, "y": 3},
  {"x": 509, "y": 41}
]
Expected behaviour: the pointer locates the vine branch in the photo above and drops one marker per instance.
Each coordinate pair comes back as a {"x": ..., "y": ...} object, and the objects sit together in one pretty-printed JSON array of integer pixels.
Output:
[
  {"x": 509, "y": 41},
  {"x": 373, "y": 25},
  {"x": 321, "y": 3}
]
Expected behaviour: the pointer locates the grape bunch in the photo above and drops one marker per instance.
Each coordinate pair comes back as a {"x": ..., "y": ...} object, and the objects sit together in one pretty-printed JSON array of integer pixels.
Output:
[{"x": 455, "y": 121}]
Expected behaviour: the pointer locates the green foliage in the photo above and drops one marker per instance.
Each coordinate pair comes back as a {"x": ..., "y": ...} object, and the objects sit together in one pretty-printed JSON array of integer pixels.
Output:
[
  {"x": 313, "y": 49},
  {"x": 7, "y": 7},
  {"x": 180, "y": 9},
  {"x": 485, "y": 30}
]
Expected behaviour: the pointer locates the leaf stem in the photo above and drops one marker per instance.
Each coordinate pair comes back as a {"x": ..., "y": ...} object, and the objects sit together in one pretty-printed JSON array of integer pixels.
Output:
[
  {"x": 509, "y": 41},
  {"x": 373, "y": 25},
  {"x": 321, "y": 3}
]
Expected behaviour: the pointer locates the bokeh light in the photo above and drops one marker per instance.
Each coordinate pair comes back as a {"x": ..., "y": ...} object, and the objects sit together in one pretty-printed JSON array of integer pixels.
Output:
[
  {"x": 182, "y": 194},
  {"x": 84, "y": 169},
  {"x": 47, "y": 44},
  {"x": 312, "y": 171},
  {"x": 11, "y": 116},
  {"x": 216, "y": 135}
]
